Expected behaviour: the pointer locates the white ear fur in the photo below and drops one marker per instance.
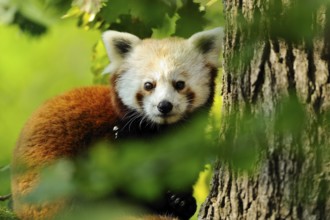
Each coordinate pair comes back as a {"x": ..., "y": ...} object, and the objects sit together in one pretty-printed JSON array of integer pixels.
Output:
[
  {"x": 118, "y": 45},
  {"x": 209, "y": 43}
]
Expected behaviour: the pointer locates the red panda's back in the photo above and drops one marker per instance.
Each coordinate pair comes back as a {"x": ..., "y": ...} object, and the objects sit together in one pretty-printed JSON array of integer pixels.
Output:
[{"x": 66, "y": 124}]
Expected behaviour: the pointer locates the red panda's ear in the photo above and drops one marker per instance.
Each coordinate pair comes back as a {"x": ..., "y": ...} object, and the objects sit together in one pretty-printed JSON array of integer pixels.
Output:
[
  {"x": 209, "y": 43},
  {"x": 118, "y": 45}
]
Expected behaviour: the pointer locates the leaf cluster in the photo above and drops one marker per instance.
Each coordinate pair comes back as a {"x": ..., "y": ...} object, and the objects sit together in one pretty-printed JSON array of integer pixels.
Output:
[{"x": 144, "y": 18}]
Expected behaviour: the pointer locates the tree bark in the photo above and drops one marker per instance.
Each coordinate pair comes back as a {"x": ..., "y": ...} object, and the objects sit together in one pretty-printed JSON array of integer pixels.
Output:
[{"x": 279, "y": 80}]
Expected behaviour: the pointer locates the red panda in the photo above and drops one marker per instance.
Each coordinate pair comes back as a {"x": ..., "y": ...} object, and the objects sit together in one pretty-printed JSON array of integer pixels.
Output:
[{"x": 153, "y": 82}]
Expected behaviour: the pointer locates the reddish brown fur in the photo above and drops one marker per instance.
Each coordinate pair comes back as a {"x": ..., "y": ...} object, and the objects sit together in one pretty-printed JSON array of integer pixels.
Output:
[
  {"x": 139, "y": 98},
  {"x": 62, "y": 127},
  {"x": 190, "y": 97}
]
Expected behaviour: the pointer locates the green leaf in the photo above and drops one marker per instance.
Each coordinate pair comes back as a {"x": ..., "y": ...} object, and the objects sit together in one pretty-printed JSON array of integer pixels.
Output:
[
  {"x": 127, "y": 23},
  {"x": 167, "y": 28},
  {"x": 149, "y": 12},
  {"x": 191, "y": 19}
]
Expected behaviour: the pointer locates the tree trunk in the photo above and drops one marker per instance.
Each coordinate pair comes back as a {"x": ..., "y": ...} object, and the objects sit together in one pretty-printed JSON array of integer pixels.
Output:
[{"x": 276, "y": 102}]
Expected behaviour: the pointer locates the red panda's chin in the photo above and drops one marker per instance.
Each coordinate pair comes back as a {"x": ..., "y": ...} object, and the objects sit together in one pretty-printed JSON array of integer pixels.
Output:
[{"x": 170, "y": 119}]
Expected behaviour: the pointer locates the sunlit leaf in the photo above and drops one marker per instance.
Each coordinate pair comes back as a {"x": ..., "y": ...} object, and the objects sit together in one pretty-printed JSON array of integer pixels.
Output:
[
  {"x": 89, "y": 6},
  {"x": 99, "y": 61},
  {"x": 73, "y": 12}
]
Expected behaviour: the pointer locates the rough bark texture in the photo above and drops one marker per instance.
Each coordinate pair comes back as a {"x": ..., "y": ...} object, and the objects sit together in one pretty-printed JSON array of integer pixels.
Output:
[{"x": 291, "y": 179}]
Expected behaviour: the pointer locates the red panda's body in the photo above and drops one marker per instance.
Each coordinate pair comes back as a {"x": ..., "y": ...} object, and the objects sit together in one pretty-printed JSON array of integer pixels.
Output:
[
  {"x": 66, "y": 124},
  {"x": 154, "y": 82}
]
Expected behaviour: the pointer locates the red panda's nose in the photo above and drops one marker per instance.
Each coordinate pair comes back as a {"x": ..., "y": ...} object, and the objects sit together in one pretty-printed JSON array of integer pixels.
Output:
[{"x": 164, "y": 107}]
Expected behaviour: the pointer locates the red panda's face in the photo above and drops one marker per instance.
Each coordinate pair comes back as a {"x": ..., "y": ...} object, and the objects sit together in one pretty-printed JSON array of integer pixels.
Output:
[{"x": 164, "y": 80}]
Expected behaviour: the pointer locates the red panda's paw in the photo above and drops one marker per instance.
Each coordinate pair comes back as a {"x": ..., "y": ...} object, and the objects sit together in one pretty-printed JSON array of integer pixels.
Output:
[{"x": 183, "y": 205}]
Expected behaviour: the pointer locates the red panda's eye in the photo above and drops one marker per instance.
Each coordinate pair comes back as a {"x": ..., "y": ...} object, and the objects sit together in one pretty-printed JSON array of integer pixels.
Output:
[
  {"x": 148, "y": 86},
  {"x": 179, "y": 85}
]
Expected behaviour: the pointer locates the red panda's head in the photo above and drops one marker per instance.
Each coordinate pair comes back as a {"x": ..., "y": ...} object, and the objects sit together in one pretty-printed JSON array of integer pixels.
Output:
[{"x": 166, "y": 79}]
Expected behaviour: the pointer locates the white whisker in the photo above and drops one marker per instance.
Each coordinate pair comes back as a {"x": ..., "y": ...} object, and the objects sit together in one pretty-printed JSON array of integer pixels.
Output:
[{"x": 131, "y": 118}]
